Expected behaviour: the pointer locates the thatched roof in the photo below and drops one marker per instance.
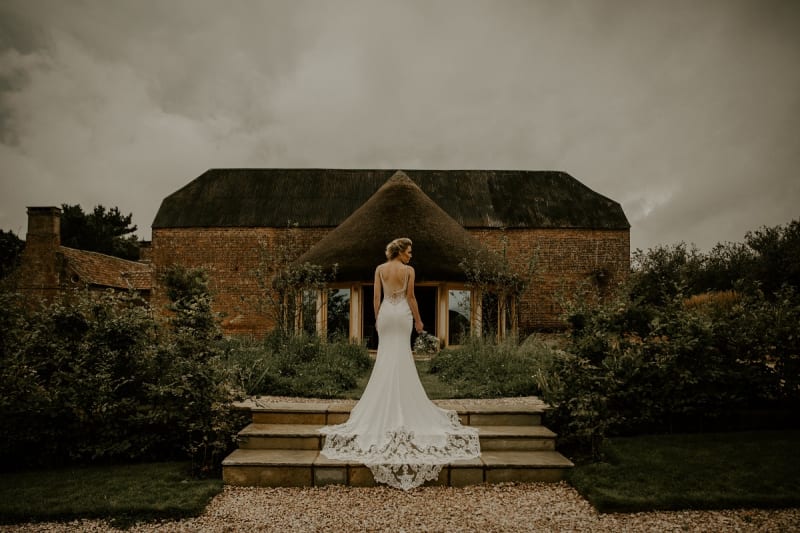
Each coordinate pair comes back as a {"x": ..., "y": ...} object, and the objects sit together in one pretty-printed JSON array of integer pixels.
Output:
[
  {"x": 398, "y": 209},
  {"x": 326, "y": 197},
  {"x": 107, "y": 271}
]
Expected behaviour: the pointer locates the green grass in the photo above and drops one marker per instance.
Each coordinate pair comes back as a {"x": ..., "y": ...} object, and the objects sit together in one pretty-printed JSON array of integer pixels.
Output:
[
  {"x": 483, "y": 368},
  {"x": 694, "y": 471},
  {"x": 122, "y": 494},
  {"x": 434, "y": 387}
]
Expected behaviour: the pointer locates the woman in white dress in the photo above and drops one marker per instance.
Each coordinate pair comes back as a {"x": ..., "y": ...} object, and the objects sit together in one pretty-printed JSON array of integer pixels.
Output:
[{"x": 394, "y": 429}]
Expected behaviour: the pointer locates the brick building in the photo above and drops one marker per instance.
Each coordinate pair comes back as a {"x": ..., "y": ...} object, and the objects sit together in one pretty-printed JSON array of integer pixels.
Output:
[
  {"x": 243, "y": 224},
  {"x": 48, "y": 269}
]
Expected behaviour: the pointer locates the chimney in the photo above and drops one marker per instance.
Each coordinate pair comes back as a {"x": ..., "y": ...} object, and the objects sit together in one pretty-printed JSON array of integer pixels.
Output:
[
  {"x": 44, "y": 228},
  {"x": 39, "y": 260}
]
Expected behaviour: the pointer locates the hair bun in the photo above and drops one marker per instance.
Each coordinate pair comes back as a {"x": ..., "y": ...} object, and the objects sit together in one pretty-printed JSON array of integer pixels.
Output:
[{"x": 394, "y": 248}]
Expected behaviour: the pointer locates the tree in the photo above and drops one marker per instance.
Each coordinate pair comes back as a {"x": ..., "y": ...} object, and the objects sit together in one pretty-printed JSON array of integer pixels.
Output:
[
  {"x": 11, "y": 248},
  {"x": 664, "y": 272},
  {"x": 777, "y": 251},
  {"x": 103, "y": 230}
]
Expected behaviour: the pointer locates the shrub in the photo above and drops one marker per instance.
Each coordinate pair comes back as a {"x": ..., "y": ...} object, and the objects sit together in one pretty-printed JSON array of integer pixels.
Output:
[
  {"x": 96, "y": 377},
  {"x": 682, "y": 368},
  {"x": 193, "y": 396},
  {"x": 484, "y": 368},
  {"x": 74, "y": 381},
  {"x": 296, "y": 365}
]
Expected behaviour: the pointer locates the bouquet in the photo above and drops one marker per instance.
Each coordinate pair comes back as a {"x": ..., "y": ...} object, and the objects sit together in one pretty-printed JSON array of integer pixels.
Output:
[{"x": 426, "y": 344}]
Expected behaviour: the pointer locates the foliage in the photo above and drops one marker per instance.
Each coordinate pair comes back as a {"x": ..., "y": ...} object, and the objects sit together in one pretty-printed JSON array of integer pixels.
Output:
[
  {"x": 96, "y": 377},
  {"x": 632, "y": 366},
  {"x": 487, "y": 368},
  {"x": 11, "y": 248},
  {"x": 689, "y": 341},
  {"x": 663, "y": 272},
  {"x": 296, "y": 365},
  {"x": 762, "y": 329},
  {"x": 194, "y": 395},
  {"x": 499, "y": 282},
  {"x": 578, "y": 390},
  {"x": 106, "y": 231},
  {"x": 768, "y": 260},
  {"x": 283, "y": 282},
  {"x": 74, "y": 377},
  {"x": 777, "y": 251}
]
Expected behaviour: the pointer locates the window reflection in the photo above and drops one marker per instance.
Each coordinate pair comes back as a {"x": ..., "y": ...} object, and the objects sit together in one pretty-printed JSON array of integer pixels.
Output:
[
  {"x": 338, "y": 313},
  {"x": 459, "y": 304},
  {"x": 489, "y": 318},
  {"x": 309, "y": 312}
]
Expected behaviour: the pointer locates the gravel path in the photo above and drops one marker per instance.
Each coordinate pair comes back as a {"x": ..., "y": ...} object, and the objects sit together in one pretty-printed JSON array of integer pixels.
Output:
[{"x": 484, "y": 508}]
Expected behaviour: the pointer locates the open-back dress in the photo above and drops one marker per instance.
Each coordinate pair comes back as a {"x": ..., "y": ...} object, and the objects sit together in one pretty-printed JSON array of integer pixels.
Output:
[{"x": 394, "y": 429}]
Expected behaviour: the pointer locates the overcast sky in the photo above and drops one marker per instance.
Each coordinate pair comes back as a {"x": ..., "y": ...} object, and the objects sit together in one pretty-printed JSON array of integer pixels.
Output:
[{"x": 686, "y": 112}]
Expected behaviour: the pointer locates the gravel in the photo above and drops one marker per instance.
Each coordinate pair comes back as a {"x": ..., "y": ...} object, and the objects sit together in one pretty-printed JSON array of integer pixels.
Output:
[{"x": 484, "y": 508}]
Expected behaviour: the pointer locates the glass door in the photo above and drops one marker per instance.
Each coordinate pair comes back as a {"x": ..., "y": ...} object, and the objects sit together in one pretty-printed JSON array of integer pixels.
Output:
[{"x": 426, "y": 301}]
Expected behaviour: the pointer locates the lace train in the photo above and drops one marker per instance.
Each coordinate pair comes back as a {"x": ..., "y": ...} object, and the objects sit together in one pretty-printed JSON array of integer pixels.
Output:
[{"x": 403, "y": 461}]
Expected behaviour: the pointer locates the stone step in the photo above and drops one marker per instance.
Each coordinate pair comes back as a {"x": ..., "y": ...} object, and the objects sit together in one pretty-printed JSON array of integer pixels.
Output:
[
  {"x": 471, "y": 412},
  {"x": 306, "y": 437},
  {"x": 306, "y": 468}
]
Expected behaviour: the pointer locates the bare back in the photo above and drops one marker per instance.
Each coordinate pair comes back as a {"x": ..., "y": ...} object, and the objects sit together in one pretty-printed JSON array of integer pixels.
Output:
[{"x": 394, "y": 280}]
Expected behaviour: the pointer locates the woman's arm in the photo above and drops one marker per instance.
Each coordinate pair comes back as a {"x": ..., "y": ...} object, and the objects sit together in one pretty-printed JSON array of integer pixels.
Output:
[
  {"x": 376, "y": 298},
  {"x": 412, "y": 301}
]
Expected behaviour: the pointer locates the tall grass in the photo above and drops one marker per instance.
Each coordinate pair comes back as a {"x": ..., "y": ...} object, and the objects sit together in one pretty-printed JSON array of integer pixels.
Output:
[
  {"x": 301, "y": 365},
  {"x": 484, "y": 368}
]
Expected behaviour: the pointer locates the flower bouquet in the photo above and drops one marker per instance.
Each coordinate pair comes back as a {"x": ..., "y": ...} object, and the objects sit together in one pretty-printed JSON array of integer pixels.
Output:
[{"x": 426, "y": 344}]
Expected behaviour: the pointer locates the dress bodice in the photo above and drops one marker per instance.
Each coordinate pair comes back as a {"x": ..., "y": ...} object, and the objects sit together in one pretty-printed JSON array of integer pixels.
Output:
[{"x": 396, "y": 295}]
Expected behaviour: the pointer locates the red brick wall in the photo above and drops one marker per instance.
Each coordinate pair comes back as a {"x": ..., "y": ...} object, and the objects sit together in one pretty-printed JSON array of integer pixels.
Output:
[
  {"x": 232, "y": 256},
  {"x": 565, "y": 260}
]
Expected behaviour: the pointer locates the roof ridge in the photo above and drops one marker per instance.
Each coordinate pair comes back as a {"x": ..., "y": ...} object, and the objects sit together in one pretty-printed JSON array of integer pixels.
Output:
[{"x": 108, "y": 256}]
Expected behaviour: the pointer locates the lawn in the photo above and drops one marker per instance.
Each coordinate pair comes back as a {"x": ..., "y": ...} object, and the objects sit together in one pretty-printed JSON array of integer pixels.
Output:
[
  {"x": 434, "y": 387},
  {"x": 694, "y": 471},
  {"x": 124, "y": 493}
]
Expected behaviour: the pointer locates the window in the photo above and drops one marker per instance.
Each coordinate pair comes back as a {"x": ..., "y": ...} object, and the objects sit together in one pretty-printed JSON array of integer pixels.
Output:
[
  {"x": 489, "y": 316},
  {"x": 308, "y": 314},
  {"x": 338, "y": 324},
  {"x": 458, "y": 315}
]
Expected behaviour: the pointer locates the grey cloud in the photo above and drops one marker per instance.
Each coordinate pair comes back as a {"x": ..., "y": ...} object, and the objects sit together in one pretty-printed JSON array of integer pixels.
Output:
[{"x": 685, "y": 112}]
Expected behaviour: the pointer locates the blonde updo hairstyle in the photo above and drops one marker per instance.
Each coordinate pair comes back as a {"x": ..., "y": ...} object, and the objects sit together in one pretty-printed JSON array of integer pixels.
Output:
[{"x": 394, "y": 248}]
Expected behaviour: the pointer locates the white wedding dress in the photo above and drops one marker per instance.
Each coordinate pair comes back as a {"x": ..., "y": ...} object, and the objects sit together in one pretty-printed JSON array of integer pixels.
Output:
[{"x": 394, "y": 429}]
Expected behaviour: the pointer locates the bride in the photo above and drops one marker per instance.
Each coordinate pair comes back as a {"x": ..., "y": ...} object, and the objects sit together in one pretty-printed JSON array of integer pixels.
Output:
[{"x": 394, "y": 429}]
